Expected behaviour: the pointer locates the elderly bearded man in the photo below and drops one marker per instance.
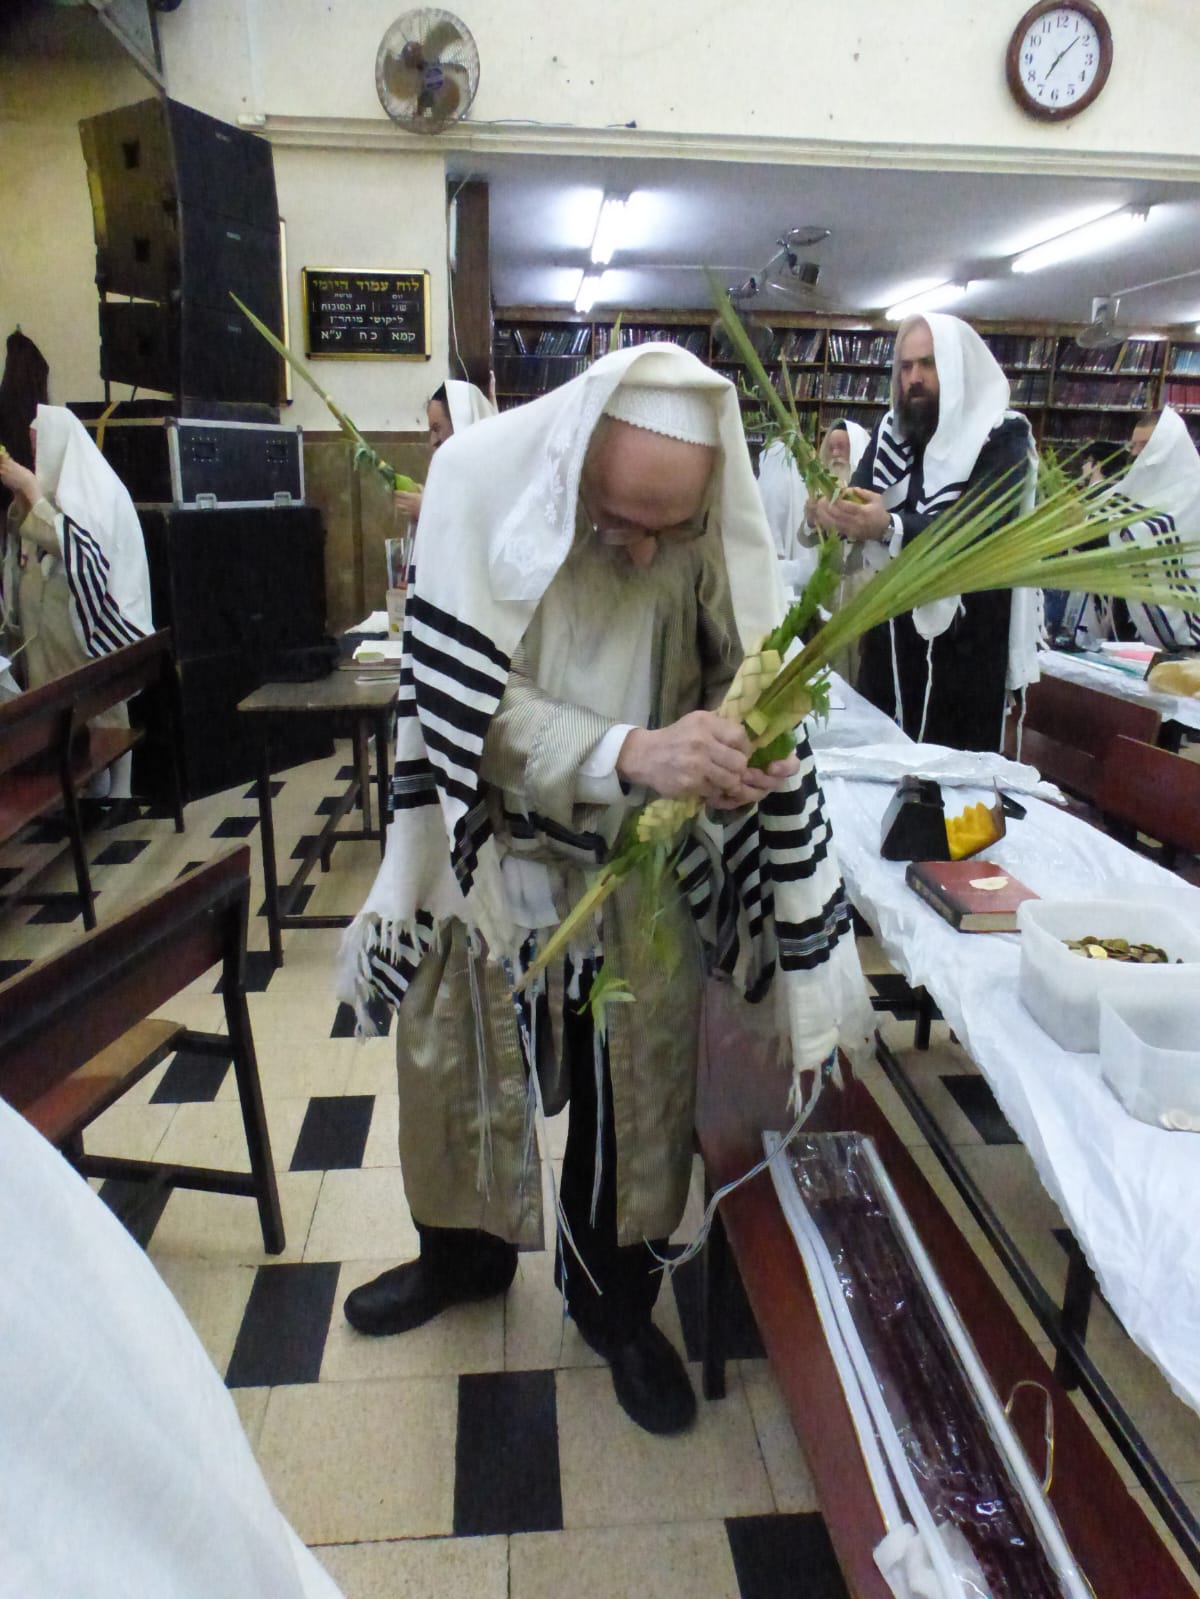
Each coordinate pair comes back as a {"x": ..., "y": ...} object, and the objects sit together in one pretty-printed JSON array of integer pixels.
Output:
[
  {"x": 942, "y": 672},
  {"x": 598, "y": 562}
]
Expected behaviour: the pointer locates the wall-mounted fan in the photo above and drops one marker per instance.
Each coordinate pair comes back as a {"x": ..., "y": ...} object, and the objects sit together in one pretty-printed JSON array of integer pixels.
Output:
[{"x": 427, "y": 70}]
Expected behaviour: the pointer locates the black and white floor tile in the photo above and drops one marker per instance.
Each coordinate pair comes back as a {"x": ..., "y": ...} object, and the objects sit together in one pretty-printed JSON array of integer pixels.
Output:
[{"x": 484, "y": 1454}]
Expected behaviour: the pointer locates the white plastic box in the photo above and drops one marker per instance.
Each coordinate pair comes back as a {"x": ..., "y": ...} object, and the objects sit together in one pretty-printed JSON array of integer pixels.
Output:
[
  {"x": 1150, "y": 1058},
  {"x": 1062, "y": 990}
]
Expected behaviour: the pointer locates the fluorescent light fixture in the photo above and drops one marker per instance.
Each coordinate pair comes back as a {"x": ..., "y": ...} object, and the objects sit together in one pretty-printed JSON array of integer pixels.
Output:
[
  {"x": 932, "y": 299},
  {"x": 589, "y": 288},
  {"x": 1152, "y": 337},
  {"x": 1088, "y": 240},
  {"x": 1197, "y": 328},
  {"x": 609, "y": 225}
]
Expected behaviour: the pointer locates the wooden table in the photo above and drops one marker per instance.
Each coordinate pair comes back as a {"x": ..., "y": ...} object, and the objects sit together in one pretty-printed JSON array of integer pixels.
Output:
[
  {"x": 345, "y": 703},
  {"x": 743, "y": 1086}
]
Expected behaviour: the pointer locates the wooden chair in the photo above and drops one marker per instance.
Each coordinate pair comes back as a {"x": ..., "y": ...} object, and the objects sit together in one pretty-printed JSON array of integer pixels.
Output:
[
  {"x": 1155, "y": 793},
  {"x": 48, "y": 751},
  {"x": 76, "y": 1029},
  {"x": 1068, "y": 727}
]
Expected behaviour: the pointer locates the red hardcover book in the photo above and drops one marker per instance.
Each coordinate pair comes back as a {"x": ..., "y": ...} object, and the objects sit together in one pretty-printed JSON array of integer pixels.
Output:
[{"x": 962, "y": 892}]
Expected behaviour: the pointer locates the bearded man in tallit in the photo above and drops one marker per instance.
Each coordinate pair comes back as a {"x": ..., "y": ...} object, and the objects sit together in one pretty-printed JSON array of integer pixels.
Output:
[
  {"x": 598, "y": 562},
  {"x": 943, "y": 672}
]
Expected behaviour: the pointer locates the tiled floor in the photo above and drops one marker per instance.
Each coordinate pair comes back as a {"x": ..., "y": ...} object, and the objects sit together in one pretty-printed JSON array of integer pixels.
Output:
[{"x": 484, "y": 1454}]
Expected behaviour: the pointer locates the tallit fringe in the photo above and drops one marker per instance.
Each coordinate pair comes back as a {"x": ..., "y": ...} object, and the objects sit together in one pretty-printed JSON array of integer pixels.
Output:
[{"x": 802, "y": 1107}]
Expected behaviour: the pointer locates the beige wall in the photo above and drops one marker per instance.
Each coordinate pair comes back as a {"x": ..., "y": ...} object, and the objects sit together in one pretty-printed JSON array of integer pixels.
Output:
[
  {"x": 48, "y": 256},
  {"x": 877, "y": 71}
]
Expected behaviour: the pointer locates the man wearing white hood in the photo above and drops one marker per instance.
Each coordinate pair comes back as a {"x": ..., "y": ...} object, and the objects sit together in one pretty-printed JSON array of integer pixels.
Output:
[
  {"x": 1165, "y": 477},
  {"x": 603, "y": 563},
  {"x": 943, "y": 672},
  {"x": 75, "y": 584}
]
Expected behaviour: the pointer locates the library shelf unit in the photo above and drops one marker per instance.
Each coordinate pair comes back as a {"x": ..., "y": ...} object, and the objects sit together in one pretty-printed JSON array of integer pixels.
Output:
[{"x": 841, "y": 367}]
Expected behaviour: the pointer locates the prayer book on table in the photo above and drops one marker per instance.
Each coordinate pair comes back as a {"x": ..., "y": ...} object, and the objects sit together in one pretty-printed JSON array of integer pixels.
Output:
[{"x": 974, "y": 896}]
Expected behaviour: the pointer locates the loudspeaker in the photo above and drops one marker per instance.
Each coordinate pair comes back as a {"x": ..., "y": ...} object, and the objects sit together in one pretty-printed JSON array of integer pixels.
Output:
[
  {"x": 186, "y": 349},
  {"x": 246, "y": 582},
  {"x": 240, "y": 590},
  {"x": 184, "y": 212}
]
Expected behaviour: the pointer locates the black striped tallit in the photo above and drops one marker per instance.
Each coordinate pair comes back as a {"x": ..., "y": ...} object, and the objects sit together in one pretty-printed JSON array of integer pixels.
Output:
[
  {"x": 451, "y": 683},
  {"x": 102, "y": 625}
]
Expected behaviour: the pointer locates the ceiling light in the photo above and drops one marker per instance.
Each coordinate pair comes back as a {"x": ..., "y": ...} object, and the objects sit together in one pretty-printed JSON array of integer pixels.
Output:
[
  {"x": 1093, "y": 237},
  {"x": 932, "y": 299},
  {"x": 589, "y": 288},
  {"x": 1152, "y": 337},
  {"x": 608, "y": 228}
]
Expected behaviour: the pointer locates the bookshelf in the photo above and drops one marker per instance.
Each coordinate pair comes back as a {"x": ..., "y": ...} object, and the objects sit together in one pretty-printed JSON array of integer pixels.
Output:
[{"x": 1070, "y": 394}]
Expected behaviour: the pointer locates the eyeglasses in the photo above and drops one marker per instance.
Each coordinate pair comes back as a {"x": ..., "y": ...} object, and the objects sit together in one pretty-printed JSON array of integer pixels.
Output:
[{"x": 621, "y": 534}]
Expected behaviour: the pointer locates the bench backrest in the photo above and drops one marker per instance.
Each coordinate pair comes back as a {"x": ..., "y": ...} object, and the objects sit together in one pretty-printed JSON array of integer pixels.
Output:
[
  {"x": 1067, "y": 727},
  {"x": 62, "y": 1011},
  {"x": 38, "y": 723},
  {"x": 1153, "y": 791}
]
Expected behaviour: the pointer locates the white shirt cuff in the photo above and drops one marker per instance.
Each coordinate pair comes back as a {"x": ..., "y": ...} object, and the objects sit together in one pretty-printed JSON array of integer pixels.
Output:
[{"x": 597, "y": 782}]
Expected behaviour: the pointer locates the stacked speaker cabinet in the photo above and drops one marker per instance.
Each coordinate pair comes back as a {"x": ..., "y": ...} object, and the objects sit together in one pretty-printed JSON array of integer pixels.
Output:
[
  {"x": 243, "y": 592},
  {"x": 185, "y": 213}
]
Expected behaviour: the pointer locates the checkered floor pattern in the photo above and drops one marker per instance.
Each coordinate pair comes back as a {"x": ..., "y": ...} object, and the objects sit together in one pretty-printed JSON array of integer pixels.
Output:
[{"x": 484, "y": 1454}]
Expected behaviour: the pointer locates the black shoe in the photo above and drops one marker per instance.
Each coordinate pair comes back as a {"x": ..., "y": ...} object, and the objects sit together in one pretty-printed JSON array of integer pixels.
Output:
[
  {"x": 410, "y": 1295},
  {"x": 650, "y": 1381}
]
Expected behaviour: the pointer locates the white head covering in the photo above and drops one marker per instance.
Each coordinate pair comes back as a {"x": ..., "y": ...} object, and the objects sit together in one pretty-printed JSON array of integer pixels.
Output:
[
  {"x": 1166, "y": 475},
  {"x": 859, "y": 437},
  {"x": 973, "y": 396},
  {"x": 516, "y": 483},
  {"x": 466, "y": 404},
  {"x": 115, "y": 1424},
  {"x": 684, "y": 414},
  {"x": 1165, "y": 478},
  {"x": 111, "y": 560}
]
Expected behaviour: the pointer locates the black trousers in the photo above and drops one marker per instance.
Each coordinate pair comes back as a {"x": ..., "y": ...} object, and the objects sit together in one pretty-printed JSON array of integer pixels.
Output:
[{"x": 626, "y": 1275}]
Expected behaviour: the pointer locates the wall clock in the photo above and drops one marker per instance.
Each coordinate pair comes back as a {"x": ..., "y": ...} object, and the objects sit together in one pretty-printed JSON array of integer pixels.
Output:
[{"x": 1059, "y": 58}]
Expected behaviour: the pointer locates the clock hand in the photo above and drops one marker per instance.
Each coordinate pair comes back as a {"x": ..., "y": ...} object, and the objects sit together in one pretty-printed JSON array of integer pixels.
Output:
[{"x": 1060, "y": 55}]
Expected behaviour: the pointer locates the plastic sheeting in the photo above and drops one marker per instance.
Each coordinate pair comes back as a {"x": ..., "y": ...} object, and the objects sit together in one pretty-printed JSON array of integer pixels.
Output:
[
  {"x": 1093, "y": 673},
  {"x": 1129, "y": 1192},
  {"x": 124, "y": 1470}
]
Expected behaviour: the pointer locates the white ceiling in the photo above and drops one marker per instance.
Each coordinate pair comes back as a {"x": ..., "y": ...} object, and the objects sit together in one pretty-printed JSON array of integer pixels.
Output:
[{"x": 891, "y": 232}]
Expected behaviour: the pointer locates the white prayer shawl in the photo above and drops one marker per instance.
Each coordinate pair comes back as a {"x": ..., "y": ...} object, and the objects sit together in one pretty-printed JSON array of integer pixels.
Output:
[
  {"x": 1165, "y": 478},
  {"x": 973, "y": 396},
  {"x": 499, "y": 519},
  {"x": 124, "y": 1469},
  {"x": 103, "y": 550},
  {"x": 466, "y": 404}
]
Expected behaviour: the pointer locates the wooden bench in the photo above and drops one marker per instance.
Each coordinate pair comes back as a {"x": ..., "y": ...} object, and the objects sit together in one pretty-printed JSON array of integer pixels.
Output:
[
  {"x": 1067, "y": 728},
  {"x": 48, "y": 752},
  {"x": 1142, "y": 789},
  {"x": 76, "y": 1029}
]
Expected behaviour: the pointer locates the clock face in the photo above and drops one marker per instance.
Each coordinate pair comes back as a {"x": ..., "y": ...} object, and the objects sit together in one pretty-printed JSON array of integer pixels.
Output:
[{"x": 1059, "y": 59}]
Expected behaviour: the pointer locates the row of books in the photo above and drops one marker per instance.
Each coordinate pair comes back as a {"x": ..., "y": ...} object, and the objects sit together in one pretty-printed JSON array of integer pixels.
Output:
[
  {"x": 1030, "y": 388},
  {"x": 1021, "y": 349},
  {"x": 1127, "y": 394},
  {"x": 1181, "y": 394},
  {"x": 1069, "y": 429},
  {"x": 1134, "y": 355},
  {"x": 858, "y": 385},
  {"x": 563, "y": 340},
  {"x": 536, "y": 375},
  {"x": 1187, "y": 360},
  {"x": 875, "y": 348}
]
